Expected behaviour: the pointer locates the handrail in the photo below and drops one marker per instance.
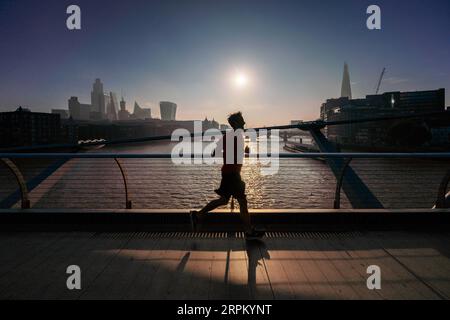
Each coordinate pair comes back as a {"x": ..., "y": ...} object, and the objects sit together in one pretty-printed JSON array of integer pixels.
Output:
[
  {"x": 339, "y": 181},
  {"x": 332, "y": 155},
  {"x": 25, "y": 204},
  {"x": 347, "y": 157},
  {"x": 123, "y": 172}
]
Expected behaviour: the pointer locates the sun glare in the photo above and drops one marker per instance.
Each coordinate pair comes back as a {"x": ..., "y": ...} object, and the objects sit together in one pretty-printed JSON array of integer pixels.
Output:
[{"x": 240, "y": 80}]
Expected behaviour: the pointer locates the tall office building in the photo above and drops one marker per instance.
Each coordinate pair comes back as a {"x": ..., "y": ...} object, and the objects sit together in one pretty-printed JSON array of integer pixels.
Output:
[
  {"x": 112, "y": 107},
  {"x": 168, "y": 110},
  {"x": 346, "y": 90},
  {"x": 98, "y": 102},
  {"x": 141, "y": 113},
  {"x": 388, "y": 104},
  {"x": 77, "y": 110},
  {"x": 25, "y": 128}
]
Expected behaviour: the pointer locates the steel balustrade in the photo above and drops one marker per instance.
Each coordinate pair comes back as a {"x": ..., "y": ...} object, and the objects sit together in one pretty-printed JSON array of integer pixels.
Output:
[
  {"x": 20, "y": 181},
  {"x": 347, "y": 157},
  {"x": 128, "y": 203}
]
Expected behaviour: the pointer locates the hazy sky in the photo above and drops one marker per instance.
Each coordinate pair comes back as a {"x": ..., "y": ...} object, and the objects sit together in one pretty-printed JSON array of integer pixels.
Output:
[{"x": 292, "y": 53}]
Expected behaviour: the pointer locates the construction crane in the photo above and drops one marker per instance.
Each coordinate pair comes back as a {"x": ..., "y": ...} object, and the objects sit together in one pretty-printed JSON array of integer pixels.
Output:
[{"x": 379, "y": 81}]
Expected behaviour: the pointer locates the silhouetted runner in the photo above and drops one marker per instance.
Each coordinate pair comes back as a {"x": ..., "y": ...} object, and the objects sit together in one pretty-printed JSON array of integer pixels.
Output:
[{"x": 231, "y": 184}]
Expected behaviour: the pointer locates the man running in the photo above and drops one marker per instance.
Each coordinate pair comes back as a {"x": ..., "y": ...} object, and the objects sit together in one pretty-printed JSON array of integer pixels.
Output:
[{"x": 231, "y": 184}]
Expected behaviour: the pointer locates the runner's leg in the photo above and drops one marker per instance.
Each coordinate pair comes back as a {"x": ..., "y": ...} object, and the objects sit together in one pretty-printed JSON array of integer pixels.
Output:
[{"x": 222, "y": 201}]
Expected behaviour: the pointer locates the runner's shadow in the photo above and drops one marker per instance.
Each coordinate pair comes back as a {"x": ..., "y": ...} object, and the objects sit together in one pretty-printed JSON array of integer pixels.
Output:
[
  {"x": 182, "y": 265},
  {"x": 256, "y": 253}
]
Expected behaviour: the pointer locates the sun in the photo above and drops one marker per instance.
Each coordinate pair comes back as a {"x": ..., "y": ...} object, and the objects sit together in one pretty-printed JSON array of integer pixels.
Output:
[{"x": 240, "y": 80}]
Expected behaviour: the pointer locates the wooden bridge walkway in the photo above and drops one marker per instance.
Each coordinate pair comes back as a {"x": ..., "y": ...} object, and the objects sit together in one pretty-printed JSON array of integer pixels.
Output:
[{"x": 180, "y": 265}]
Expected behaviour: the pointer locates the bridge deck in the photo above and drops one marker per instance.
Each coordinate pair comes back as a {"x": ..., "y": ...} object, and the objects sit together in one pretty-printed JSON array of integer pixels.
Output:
[
  {"x": 222, "y": 220},
  {"x": 294, "y": 265}
]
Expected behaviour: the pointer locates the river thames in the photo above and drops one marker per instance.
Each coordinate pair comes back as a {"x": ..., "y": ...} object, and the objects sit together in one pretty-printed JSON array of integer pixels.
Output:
[{"x": 158, "y": 183}]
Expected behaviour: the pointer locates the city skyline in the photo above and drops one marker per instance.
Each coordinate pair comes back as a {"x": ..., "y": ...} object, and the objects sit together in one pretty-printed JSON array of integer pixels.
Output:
[{"x": 273, "y": 62}]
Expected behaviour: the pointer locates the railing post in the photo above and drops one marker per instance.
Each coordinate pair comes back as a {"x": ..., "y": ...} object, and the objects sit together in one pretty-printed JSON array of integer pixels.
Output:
[
  {"x": 441, "y": 202},
  {"x": 128, "y": 204},
  {"x": 337, "y": 195},
  {"x": 25, "y": 204}
]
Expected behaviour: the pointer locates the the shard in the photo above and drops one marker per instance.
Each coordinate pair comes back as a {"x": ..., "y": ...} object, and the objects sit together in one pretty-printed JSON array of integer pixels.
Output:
[{"x": 346, "y": 90}]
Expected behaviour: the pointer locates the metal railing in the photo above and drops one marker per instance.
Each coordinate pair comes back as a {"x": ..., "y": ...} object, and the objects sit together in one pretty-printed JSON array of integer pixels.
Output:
[
  {"x": 309, "y": 155},
  {"x": 20, "y": 181},
  {"x": 442, "y": 199}
]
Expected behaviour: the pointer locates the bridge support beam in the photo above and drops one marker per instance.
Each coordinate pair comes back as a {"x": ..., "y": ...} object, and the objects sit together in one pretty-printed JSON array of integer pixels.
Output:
[{"x": 355, "y": 189}]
